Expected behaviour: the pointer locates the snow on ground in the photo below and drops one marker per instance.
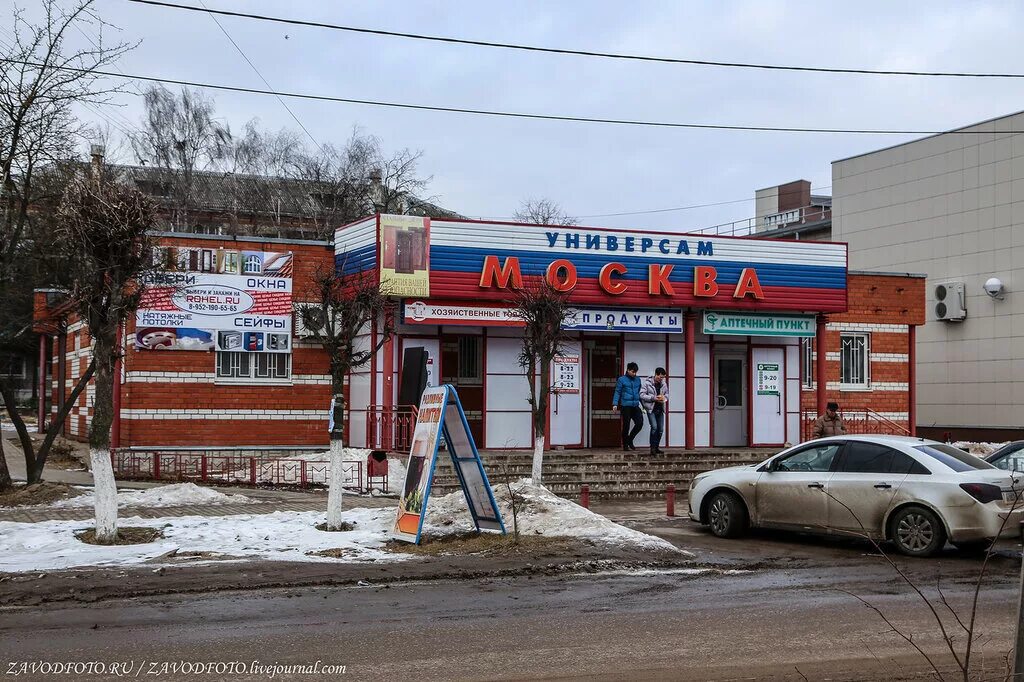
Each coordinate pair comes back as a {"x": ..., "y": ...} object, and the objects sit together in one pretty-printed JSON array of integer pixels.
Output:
[
  {"x": 290, "y": 536},
  {"x": 281, "y": 536},
  {"x": 978, "y": 448},
  {"x": 541, "y": 513},
  {"x": 174, "y": 495}
]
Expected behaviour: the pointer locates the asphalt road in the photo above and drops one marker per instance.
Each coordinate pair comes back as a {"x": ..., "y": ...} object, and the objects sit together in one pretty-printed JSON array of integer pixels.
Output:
[{"x": 790, "y": 613}]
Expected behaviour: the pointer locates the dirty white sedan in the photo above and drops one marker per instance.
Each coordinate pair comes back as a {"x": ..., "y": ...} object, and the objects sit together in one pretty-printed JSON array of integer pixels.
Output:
[{"x": 913, "y": 492}]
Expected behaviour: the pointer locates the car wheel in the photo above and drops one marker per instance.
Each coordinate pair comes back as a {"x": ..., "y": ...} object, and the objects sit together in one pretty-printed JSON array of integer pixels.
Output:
[
  {"x": 727, "y": 516},
  {"x": 917, "y": 532}
]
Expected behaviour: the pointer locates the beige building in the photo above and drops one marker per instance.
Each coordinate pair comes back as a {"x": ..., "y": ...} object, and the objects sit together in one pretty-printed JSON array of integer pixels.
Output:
[{"x": 951, "y": 206}]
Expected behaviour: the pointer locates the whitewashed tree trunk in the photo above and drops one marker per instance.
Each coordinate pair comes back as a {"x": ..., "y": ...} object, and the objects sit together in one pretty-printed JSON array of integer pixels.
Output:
[
  {"x": 105, "y": 490},
  {"x": 538, "y": 458},
  {"x": 334, "y": 491}
]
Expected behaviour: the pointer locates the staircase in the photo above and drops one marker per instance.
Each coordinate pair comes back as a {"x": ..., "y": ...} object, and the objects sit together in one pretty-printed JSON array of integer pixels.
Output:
[{"x": 609, "y": 473}]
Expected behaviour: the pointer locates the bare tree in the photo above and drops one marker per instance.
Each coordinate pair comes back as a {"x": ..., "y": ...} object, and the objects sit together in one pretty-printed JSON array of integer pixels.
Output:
[
  {"x": 41, "y": 80},
  {"x": 180, "y": 139},
  {"x": 395, "y": 179},
  {"x": 345, "y": 307},
  {"x": 104, "y": 224},
  {"x": 543, "y": 309},
  {"x": 543, "y": 212},
  {"x": 335, "y": 182}
]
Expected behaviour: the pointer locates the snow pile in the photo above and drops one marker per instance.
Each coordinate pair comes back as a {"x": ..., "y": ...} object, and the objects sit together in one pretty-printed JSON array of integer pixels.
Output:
[
  {"x": 174, "y": 495},
  {"x": 540, "y": 512},
  {"x": 982, "y": 449},
  {"x": 281, "y": 536}
]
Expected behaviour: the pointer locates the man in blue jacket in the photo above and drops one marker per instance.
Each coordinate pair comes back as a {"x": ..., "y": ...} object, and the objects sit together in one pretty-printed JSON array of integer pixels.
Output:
[{"x": 626, "y": 401}]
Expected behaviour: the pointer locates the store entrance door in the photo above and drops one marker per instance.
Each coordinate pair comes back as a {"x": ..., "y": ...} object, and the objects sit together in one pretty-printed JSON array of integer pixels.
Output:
[
  {"x": 730, "y": 400},
  {"x": 604, "y": 365}
]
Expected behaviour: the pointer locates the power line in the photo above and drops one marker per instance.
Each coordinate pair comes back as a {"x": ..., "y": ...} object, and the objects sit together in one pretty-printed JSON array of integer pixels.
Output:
[
  {"x": 253, "y": 66},
  {"x": 582, "y": 53},
  {"x": 513, "y": 114}
]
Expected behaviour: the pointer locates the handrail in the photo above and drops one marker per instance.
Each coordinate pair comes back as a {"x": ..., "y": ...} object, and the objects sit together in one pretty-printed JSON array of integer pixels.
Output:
[
  {"x": 888, "y": 421},
  {"x": 855, "y": 420}
]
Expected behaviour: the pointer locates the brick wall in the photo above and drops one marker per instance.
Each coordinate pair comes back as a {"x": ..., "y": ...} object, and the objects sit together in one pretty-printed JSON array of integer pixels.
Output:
[
  {"x": 884, "y": 307},
  {"x": 172, "y": 398}
]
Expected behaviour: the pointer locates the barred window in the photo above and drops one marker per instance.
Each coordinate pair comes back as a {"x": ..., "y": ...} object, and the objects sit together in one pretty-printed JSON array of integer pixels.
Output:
[
  {"x": 807, "y": 361},
  {"x": 470, "y": 359},
  {"x": 854, "y": 361},
  {"x": 241, "y": 365}
]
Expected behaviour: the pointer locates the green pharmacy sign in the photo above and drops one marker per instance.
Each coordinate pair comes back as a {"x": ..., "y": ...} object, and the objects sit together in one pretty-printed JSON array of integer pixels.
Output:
[{"x": 758, "y": 324}]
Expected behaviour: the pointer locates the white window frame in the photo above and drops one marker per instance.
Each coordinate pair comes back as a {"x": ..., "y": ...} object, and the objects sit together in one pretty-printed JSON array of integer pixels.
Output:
[
  {"x": 807, "y": 362},
  {"x": 253, "y": 373},
  {"x": 864, "y": 371}
]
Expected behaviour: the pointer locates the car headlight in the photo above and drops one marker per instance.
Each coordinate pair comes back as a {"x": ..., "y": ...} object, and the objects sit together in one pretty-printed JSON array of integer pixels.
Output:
[{"x": 696, "y": 479}]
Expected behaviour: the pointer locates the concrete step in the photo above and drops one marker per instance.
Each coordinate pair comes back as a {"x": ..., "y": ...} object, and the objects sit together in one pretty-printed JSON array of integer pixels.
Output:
[{"x": 609, "y": 475}]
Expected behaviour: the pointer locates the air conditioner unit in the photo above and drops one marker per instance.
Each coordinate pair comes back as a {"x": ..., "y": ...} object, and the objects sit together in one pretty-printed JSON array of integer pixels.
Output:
[
  {"x": 301, "y": 329},
  {"x": 950, "y": 301}
]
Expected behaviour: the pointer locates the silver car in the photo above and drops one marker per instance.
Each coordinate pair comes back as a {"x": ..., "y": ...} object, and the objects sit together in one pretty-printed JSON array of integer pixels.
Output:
[{"x": 914, "y": 492}]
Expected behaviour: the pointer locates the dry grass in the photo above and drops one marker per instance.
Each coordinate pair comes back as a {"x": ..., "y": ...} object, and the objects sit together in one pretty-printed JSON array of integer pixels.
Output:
[
  {"x": 334, "y": 553},
  {"x": 36, "y": 494},
  {"x": 343, "y": 528},
  {"x": 127, "y": 535},
  {"x": 485, "y": 544}
]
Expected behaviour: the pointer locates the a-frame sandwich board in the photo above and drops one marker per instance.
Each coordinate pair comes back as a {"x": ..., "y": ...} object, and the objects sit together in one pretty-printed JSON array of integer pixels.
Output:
[{"x": 441, "y": 412}]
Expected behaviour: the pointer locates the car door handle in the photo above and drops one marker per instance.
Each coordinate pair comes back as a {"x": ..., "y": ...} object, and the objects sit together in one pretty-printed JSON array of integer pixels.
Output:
[
  {"x": 815, "y": 485},
  {"x": 882, "y": 486}
]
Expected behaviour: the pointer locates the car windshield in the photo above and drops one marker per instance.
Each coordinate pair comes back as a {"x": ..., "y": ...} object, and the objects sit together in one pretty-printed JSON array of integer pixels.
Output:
[
  {"x": 1005, "y": 451},
  {"x": 955, "y": 458}
]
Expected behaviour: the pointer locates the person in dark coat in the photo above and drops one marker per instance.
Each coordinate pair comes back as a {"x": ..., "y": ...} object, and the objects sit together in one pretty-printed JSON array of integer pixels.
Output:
[{"x": 626, "y": 402}]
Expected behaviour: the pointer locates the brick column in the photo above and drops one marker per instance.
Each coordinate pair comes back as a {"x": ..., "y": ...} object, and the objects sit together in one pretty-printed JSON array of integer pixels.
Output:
[
  {"x": 689, "y": 381},
  {"x": 819, "y": 344},
  {"x": 912, "y": 379}
]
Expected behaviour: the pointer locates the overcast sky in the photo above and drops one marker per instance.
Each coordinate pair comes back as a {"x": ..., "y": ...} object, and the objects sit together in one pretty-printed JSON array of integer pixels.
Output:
[{"x": 486, "y": 166}]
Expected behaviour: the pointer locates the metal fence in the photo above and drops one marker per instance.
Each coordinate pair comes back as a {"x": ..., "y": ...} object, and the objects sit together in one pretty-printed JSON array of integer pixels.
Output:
[
  {"x": 857, "y": 421},
  {"x": 390, "y": 428},
  {"x": 231, "y": 468}
]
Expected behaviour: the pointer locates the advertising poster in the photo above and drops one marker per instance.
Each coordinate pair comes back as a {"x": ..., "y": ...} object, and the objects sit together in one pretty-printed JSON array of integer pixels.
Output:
[
  {"x": 185, "y": 310},
  {"x": 405, "y": 254},
  {"x": 769, "y": 379},
  {"x": 420, "y": 467}
]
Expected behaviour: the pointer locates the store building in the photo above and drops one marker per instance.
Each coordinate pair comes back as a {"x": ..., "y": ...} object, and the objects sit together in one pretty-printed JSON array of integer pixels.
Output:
[
  {"x": 737, "y": 322},
  {"x": 723, "y": 315}
]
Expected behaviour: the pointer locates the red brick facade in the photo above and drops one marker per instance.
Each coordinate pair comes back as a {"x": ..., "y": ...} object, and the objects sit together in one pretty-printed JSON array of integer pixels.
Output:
[
  {"x": 173, "y": 398},
  {"x": 884, "y": 308}
]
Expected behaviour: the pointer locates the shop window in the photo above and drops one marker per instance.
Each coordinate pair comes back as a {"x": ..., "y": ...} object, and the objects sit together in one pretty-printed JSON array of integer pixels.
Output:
[
  {"x": 470, "y": 360},
  {"x": 854, "y": 363},
  {"x": 257, "y": 367},
  {"x": 807, "y": 362},
  {"x": 12, "y": 366}
]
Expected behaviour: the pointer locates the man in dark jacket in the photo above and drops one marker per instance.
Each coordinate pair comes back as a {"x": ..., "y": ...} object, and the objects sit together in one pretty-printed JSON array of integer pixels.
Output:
[{"x": 626, "y": 401}]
